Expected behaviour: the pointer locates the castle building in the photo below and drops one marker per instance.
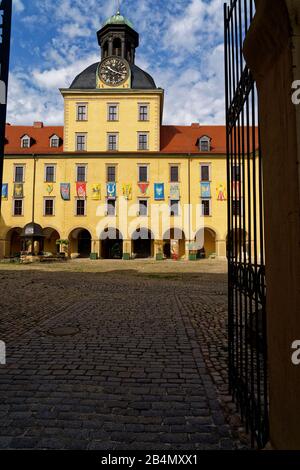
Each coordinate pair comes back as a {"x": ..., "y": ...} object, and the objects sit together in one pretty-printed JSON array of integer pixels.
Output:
[{"x": 114, "y": 182}]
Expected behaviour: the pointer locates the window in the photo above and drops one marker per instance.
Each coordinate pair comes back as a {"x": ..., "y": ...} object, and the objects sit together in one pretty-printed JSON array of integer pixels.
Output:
[
  {"x": 174, "y": 208},
  {"x": 206, "y": 207},
  {"x": 143, "y": 112},
  {"x": 81, "y": 112},
  {"x": 25, "y": 142},
  {"x": 143, "y": 207},
  {"x": 174, "y": 174},
  {"x": 113, "y": 112},
  {"x": 112, "y": 142},
  {"x": 236, "y": 173},
  {"x": 205, "y": 173},
  {"x": 143, "y": 174},
  {"x": 80, "y": 207},
  {"x": 143, "y": 141},
  {"x": 49, "y": 207},
  {"x": 19, "y": 174},
  {"x": 18, "y": 207},
  {"x": 49, "y": 173},
  {"x": 204, "y": 144},
  {"x": 111, "y": 207},
  {"x": 81, "y": 142},
  {"x": 54, "y": 141},
  {"x": 81, "y": 171},
  {"x": 111, "y": 174}
]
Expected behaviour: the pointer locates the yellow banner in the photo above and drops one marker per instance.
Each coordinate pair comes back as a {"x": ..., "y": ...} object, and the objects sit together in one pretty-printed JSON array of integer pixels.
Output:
[
  {"x": 96, "y": 192},
  {"x": 127, "y": 191}
]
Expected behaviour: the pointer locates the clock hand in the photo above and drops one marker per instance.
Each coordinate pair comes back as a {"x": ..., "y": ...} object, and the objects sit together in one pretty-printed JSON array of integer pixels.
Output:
[{"x": 114, "y": 71}]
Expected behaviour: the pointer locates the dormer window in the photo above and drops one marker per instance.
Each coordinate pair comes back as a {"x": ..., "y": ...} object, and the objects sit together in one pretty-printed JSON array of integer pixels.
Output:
[
  {"x": 54, "y": 141},
  {"x": 204, "y": 144},
  {"x": 25, "y": 142}
]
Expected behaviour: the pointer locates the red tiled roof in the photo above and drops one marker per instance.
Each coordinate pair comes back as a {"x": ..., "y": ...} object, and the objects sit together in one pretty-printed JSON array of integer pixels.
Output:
[
  {"x": 185, "y": 139},
  {"x": 174, "y": 139},
  {"x": 40, "y": 139}
]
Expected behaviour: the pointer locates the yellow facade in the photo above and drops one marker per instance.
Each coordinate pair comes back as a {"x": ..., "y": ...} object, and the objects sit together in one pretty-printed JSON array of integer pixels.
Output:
[
  {"x": 85, "y": 232},
  {"x": 127, "y": 125}
]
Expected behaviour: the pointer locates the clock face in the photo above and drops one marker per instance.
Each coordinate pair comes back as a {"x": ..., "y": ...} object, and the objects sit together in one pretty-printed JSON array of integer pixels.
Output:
[{"x": 114, "y": 71}]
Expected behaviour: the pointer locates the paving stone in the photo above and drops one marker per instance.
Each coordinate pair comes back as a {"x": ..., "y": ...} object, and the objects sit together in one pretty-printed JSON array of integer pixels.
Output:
[{"x": 144, "y": 371}]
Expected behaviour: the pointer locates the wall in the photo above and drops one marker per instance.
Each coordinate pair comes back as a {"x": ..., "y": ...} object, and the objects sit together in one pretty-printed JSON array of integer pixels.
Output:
[
  {"x": 97, "y": 126},
  {"x": 272, "y": 53},
  {"x": 65, "y": 221}
]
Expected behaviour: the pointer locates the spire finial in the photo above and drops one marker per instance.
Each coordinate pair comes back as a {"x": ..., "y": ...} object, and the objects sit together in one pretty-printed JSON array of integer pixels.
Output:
[{"x": 118, "y": 10}]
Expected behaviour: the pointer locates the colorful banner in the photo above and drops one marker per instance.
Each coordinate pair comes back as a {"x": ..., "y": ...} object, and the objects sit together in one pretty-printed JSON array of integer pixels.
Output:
[
  {"x": 221, "y": 192},
  {"x": 144, "y": 188},
  {"x": 81, "y": 190},
  {"x": 18, "y": 190},
  {"x": 65, "y": 191},
  {"x": 236, "y": 190},
  {"x": 4, "y": 192},
  {"x": 111, "y": 190},
  {"x": 159, "y": 191},
  {"x": 205, "y": 190},
  {"x": 96, "y": 192},
  {"x": 49, "y": 188},
  {"x": 127, "y": 191},
  {"x": 175, "y": 191}
]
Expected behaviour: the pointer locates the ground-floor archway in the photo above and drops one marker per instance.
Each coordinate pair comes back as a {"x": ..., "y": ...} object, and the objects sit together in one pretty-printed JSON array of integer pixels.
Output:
[
  {"x": 238, "y": 243},
  {"x": 80, "y": 241},
  {"x": 142, "y": 244},
  {"x": 13, "y": 242},
  {"x": 111, "y": 244},
  {"x": 174, "y": 243},
  {"x": 50, "y": 242},
  {"x": 206, "y": 243}
]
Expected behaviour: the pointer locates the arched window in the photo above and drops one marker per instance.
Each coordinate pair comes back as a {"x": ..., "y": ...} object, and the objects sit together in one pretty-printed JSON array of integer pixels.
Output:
[
  {"x": 54, "y": 141},
  {"x": 204, "y": 143},
  {"x": 117, "y": 46},
  {"x": 105, "y": 50},
  {"x": 25, "y": 142}
]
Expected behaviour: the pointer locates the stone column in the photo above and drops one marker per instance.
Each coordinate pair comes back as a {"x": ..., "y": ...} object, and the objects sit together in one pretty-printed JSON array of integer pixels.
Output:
[
  {"x": 159, "y": 250},
  {"x": 127, "y": 249},
  {"x": 272, "y": 51},
  {"x": 221, "y": 249}
]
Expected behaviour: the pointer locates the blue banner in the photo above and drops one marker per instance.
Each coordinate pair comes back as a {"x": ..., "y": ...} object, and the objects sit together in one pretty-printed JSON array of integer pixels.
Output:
[
  {"x": 4, "y": 192},
  {"x": 205, "y": 190},
  {"x": 65, "y": 191},
  {"x": 159, "y": 191},
  {"x": 111, "y": 190}
]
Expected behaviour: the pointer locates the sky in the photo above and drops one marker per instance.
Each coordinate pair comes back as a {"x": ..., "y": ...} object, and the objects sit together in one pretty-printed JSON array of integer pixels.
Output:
[{"x": 181, "y": 46}]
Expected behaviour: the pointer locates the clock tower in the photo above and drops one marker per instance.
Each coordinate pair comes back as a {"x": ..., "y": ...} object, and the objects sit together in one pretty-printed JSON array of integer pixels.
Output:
[{"x": 113, "y": 105}]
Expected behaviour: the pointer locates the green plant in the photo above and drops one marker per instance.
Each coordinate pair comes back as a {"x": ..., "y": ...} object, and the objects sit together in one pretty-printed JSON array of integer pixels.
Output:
[{"x": 62, "y": 242}]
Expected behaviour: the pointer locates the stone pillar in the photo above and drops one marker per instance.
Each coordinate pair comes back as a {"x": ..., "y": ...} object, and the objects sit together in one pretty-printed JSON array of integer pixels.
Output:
[
  {"x": 159, "y": 250},
  {"x": 221, "y": 249},
  {"x": 123, "y": 48},
  {"x": 95, "y": 247},
  {"x": 110, "y": 46},
  {"x": 127, "y": 249},
  {"x": 272, "y": 51}
]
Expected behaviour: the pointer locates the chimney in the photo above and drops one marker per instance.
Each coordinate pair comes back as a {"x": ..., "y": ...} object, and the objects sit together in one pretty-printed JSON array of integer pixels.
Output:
[
  {"x": 38, "y": 125},
  {"x": 195, "y": 124}
]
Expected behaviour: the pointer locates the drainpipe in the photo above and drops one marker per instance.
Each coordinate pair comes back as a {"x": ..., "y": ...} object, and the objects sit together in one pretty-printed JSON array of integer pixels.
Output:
[
  {"x": 33, "y": 187},
  {"x": 189, "y": 185}
]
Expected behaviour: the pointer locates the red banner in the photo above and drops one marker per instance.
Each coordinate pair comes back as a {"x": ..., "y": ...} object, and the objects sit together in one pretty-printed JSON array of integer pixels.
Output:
[
  {"x": 81, "y": 190},
  {"x": 144, "y": 188}
]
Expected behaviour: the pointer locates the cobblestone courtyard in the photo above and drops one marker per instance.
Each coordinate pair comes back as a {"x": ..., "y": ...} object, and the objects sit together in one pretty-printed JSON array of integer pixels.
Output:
[{"x": 145, "y": 367}]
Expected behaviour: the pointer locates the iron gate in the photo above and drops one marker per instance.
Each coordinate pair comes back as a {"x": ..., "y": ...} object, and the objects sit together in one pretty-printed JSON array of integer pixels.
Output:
[
  {"x": 245, "y": 242},
  {"x": 5, "y": 32}
]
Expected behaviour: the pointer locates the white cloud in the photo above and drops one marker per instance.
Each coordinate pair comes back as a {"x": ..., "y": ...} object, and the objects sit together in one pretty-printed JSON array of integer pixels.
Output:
[
  {"x": 180, "y": 45},
  {"x": 18, "y": 6}
]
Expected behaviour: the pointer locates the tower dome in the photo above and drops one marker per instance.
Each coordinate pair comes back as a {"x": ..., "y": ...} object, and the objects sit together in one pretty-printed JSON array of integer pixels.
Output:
[{"x": 118, "y": 19}]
